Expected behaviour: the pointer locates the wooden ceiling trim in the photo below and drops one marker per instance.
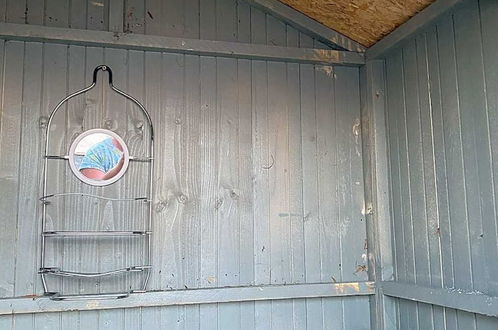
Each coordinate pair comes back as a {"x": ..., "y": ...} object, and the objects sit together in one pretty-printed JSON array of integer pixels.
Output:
[{"x": 365, "y": 21}]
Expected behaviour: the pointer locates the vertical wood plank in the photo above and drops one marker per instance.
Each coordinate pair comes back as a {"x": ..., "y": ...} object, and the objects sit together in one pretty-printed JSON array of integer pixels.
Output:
[
  {"x": 116, "y": 14},
  {"x": 278, "y": 180},
  {"x": 454, "y": 161},
  {"x": 261, "y": 160},
  {"x": 34, "y": 12},
  {"x": 394, "y": 104},
  {"x": 197, "y": 206},
  {"x": 152, "y": 85},
  {"x": 476, "y": 139},
  {"x": 443, "y": 231},
  {"x": 165, "y": 99},
  {"x": 26, "y": 279},
  {"x": 169, "y": 318},
  {"x": 246, "y": 216},
  {"x": 3, "y": 18},
  {"x": 407, "y": 209},
  {"x": 228, "y": 213},
  {"x": 96, "y": 18},
  {"x": 476, "y": 143},
  {"x": 377, "y": 191},
  {"x": 49, "y": 98},
  {"x": 112, "y": 254},
  {"x": 191, "y": 23},
  {"x": 173, "y": 18},
  {"x": 245, "y": 190},
  {"x": 228, "y": 186},
  {"x": 72, "y": 250},
  {"x": 54, "y": 89},
  {"x": 277, "y": 173},
  {"x": 210, "y": 202},
  {"x": 167, "y": 108},
  {"x": 74, "y": 122},
  {"x": 15, "y": 12},
  {"x": 135, "y": 182},
  {"x": 350, "y": 191},
  {"x": 56, "y": 13},
  {"x": 89, "y": 213},
  {"x": 311, "y": 219},
  {"x": 207, "y": 19},
  {"x": 295, "y": 177},
  {"x": 258, "y": 26},
  {"x": 432, "y": 223},
  {"x": 330, "y": 233},
  {"x": 48, "y": 321},
  {"x": 135, "y": 16},
  {"x": 23, "y": 321},
  {"x": 78, "y": 14},
  {"x": 153, "y": 17},
  {"x": 138, "y": 136},
  {"x": 416, "y": 178},
  {"x": 226, "y": 20},
  {"x": 490, "y": 71},
  {"x": 243, "y": 21},
  {"x": 10, "y": 142}
]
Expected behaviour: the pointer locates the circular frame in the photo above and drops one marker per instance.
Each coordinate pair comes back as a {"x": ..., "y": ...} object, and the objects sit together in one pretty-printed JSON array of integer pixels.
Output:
[{"x": 87, "y": 180}]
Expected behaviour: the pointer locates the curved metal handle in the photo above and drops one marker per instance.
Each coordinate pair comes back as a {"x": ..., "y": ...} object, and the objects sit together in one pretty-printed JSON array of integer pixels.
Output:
[{"x": 103, "y": 68}]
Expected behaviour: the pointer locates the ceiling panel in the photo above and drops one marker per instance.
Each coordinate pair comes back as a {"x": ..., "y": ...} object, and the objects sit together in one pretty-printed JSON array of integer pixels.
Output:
[{"x": 365, "y": 21}]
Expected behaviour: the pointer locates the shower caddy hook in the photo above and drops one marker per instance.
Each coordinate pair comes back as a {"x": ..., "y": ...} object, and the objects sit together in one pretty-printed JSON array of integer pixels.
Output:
[{"x": 146, "y": 233}]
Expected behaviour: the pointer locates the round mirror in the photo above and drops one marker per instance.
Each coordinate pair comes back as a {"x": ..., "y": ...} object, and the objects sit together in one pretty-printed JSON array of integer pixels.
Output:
[{"x": 98, "y": 157}]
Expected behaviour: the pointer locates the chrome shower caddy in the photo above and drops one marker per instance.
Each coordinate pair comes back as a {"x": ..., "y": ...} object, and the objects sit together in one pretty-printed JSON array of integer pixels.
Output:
[{"x": 144, "y": 233}]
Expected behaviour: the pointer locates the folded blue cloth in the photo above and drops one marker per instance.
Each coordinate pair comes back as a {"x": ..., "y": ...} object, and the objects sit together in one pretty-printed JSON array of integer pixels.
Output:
[{"x": 103, "y": 156}]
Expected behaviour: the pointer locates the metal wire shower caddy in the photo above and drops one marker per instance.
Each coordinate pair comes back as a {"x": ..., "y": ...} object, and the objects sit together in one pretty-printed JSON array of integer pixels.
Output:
[{"x": 145, "y": 268}]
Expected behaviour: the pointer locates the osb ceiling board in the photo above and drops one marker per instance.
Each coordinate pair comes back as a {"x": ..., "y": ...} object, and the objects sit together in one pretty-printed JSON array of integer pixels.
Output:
[{"x": 365, "y": 21}]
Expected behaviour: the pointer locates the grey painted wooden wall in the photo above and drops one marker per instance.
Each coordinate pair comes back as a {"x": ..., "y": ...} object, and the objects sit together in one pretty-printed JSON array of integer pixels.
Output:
[
  {"x": 258, "y": 177},
  {"x": 442, "y": 92},
  {"x": 226, "y": 20}
]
